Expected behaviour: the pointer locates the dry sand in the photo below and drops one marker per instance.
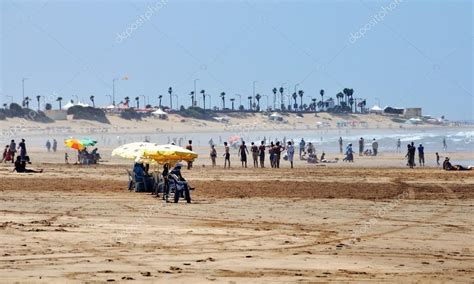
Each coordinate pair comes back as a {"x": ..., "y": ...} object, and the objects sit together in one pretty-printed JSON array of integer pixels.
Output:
[{"x": 309, "y": 224}]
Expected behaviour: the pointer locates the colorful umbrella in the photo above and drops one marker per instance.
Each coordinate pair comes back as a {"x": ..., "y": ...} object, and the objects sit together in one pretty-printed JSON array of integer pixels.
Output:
[
  {"x": 132, "y": 150},
  {"x": 88, "y": 142},
  {"x": 74, "y": 144},
  {"x": 169, "y": 154}
]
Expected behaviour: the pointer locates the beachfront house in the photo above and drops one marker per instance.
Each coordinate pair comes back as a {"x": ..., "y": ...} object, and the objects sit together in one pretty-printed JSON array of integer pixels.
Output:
[{"x": 412, "y": 112}]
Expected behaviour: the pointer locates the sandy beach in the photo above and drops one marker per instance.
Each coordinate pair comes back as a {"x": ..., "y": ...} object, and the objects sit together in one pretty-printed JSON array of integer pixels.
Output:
[{"x": 310, "y": 224}]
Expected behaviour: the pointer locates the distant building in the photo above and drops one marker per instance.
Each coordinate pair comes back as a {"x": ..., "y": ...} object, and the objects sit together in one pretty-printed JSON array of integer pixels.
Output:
[
  {"x": 393, "y": 110},
  {"x": 412, "y": 112}
]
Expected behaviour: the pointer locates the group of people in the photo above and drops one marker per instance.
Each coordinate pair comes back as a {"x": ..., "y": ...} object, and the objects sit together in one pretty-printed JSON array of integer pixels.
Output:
[
  {"x": 52, "y": 146},
  {"x": 411, "y": 152},
  {"x": 21, "y": 160},
  {"x": 171, "y": 181},
  {"x": 258, "y": 154}
]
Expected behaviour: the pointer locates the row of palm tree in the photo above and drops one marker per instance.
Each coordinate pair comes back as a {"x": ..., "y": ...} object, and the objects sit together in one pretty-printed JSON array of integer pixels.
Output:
[{"x": 345, "y": 100}]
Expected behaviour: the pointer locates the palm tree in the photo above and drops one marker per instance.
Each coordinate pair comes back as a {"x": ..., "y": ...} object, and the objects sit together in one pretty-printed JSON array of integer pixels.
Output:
[
  {"x": 137, "y": 99},
  {"x": 27, "y": 102},
  {"x": 339, "y": 97},
  {"x": 282, "y": 106},
  {"x": 322, "y": 95},
  {"x": 5, "y": 106},
  {"x": 203, "y": 92},
  {"x": 192, "y": 98},
  {"x": 59, "y": 99},
  {"x": 170, "y": 91},
  {"x": 351, "y": 102},
  {"x": 274, "y": 90},
  {"x": 159, "y": 98},
  {"x": 250, "y": 102},
  {"x": 314, "y": 103},
  {"x": 127, "y": 101},
  {"x": 232, "y": 100},
  {"x": 223, "y": 100},
  {"x": 295, "y": 96},
  {"x": 301, "y": 93},
  {"x": 92, "y": 98},
  {"x": 38, "y": 100},
  {"x": 258, "y": 97}
]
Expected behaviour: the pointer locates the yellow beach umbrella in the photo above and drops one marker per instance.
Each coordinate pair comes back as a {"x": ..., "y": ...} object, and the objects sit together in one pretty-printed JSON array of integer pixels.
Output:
[
  {"x": 169, "y": 154},
  {"x": 132, "y": 150},
  {"x": 74, "y": 144}
]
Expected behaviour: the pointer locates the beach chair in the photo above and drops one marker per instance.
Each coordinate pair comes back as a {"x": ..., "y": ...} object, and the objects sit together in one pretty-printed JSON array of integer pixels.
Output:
[
  {"x": 138, "y": 183},
  {"x": 131, "y": 183}
]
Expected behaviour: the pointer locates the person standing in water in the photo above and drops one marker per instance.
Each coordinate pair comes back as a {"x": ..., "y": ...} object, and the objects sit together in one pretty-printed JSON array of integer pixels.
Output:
[
  {"x": 261, "y": 154},
  {"x": 213, "y": 155},
  {"x": 399, "y": 145},
  {"x": 290, "y": 150},
  {"x": 226, "y": 155},
  {"x": 302, "y": 146},
  {"x": 445, "y": 144},
  {"x": 361, "y": 146},
  {"x": 48, "y": 145},
  {"x": 190, "y": 148},
  {"x": 254, "y": 150},
  {"x": 340, "y": 145},
  {"x": 421, "y": 155},
  {"x": 243, "y": 151}
]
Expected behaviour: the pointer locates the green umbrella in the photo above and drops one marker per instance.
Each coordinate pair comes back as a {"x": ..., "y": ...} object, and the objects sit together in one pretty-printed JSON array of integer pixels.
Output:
[{"x": 88, "y": 142}]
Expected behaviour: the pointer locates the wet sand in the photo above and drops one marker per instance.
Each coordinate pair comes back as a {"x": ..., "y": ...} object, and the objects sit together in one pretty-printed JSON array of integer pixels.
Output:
[{"x": 245, "y": 225}]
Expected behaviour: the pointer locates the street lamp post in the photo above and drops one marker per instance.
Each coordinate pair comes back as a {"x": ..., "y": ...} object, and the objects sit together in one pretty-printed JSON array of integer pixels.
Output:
[
  {"x": 23, "y": 89},
  {"x": 267, "y": 99},
  {"x": 210, "y": 105},
  {"x": 113, "y": 91},
  {"x": 240, "y": 99},
  {"x": 253, "y": 93}
]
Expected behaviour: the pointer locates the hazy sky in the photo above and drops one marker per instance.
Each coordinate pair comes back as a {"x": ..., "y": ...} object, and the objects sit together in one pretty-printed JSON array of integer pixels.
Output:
[{"x": 405, "y": 53}]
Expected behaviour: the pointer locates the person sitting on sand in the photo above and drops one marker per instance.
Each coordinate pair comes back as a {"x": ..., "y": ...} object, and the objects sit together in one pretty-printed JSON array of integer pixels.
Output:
[
  {"x": 182, "y": 187},
  {"x": 20, "y": 166},
  {"x": 447, "y": 166}
]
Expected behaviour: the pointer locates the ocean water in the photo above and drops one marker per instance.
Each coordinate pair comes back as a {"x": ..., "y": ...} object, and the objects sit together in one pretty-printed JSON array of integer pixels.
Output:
[{"x": 458, "y": 139}]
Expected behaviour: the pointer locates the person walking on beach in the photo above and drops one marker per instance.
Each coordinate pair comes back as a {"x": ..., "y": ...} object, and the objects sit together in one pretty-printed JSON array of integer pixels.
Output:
[
  {"x": 48, "y": 145},
  {"x": 254, "y": 150},
  {"x": 437, "y": 159},
  {"x": 421, "y": 155},
  {"x": 226, "y": 155},
  {"x": 349, "y": 154},
  {"x": 190, "y": 148},
  {"x": 271, "y": 154},
  {"x": 213, "y": 155},
  {"x": 22, "y": 147},
  {"x": 399, "y": 145},
  {"x": 66, "y": 158},
  {"x": 340, "y": 145},
  {"x": 302, "y": 145},
  {"x": 6, "y": 154},
  {"x": 361, "y": 146},
  {"x": 12, "y": 150},
  {"x": 243, "y": 151},
  {"x": 411, "y": 155},
  {"x": 375, "y": 147},
  {"x": 261, "y": 154},
  {"x": 55, "y": 145},
  {"x": 290, "y": 150},
  {"x": 445, "y": 144}
]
